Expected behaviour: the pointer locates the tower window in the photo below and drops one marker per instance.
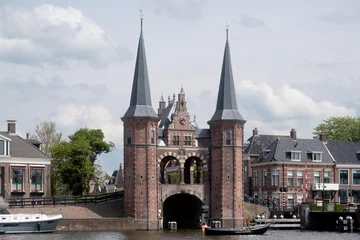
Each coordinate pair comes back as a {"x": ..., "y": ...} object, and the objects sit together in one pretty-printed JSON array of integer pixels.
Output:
[
  {"x": 152, "y": 136},
  {"x": 187, "y": 140},
  {"x": 228, "y": 138},
  {"x": 176, "y": 140},
  {"x": 128, "y": 137}
]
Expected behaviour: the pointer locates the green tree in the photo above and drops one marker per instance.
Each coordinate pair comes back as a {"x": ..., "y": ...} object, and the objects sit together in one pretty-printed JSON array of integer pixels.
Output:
[
  {"x": 75, "y": 161},
  {"x": 45, "y": 132},
  {"x": 340, "y": 129}
]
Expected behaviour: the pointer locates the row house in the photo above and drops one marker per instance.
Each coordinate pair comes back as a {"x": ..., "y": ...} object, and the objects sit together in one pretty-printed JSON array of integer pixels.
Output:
[
  {"x": 24, "y": 168},
  {"x": 291, "y": 171}
]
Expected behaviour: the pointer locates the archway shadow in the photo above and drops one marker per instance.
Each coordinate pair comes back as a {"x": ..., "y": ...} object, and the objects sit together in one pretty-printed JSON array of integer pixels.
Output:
[{"x": 185, "y": 209}]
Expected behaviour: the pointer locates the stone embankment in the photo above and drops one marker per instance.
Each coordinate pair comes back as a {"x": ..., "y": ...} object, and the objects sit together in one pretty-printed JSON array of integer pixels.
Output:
[{"x": 107, "y": 216}]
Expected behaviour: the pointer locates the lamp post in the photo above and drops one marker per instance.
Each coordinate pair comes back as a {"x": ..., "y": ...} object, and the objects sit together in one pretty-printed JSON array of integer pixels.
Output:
[{"x": 323, "y": 206}]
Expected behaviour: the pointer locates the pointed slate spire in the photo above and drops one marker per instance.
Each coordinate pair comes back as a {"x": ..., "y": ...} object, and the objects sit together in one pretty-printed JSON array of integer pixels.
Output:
[
  {"x": 226, "y": 107},
  {"x": 140, "y": 102}
]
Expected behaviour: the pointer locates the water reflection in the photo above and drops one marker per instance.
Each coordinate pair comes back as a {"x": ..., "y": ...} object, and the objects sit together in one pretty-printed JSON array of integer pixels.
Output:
[{"x": 182, "y": 235}]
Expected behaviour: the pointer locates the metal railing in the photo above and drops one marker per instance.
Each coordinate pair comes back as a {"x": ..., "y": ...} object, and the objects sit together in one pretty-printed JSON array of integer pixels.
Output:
[{"x": 64, "y": 200}]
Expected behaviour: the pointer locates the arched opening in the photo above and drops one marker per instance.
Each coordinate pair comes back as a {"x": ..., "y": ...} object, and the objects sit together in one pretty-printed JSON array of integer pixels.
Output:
[
  {"x": 193, "y": 171},
  {"x": 170, "y": 170},
  {"x": 183, "y": 208}
]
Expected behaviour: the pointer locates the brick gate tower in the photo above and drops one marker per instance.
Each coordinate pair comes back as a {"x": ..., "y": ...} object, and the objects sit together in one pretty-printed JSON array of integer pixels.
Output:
[
  {"x": 140, "y": 136},
  {"x": 227, "y": 131}
]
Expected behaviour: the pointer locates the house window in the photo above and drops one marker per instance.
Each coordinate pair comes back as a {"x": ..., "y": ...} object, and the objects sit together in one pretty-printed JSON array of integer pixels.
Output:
[
  {"x": 344, "y": 176},
  {"x": 290, "y": 178},
  {"x": 300, "y": 178},
  {"x": 176, "y": 140},
  {"x": 228, "y": 138},
  {"x": 152, "y": 136},
  {"x": 316, "y": 177},
  {"x": 255, "y": 178},
  {"x": 187, "y": 140},
  {"x": 356, "y": 177},
  {"x": 128, "y": 137},
  {"x": 260, "y": 180},
  {"x": 264, "y": 177},
  {"x": 290, "y": 200},
  {"x": 300, "y": 197},
  {"x": 2, "y": 147},
  {"x": 275, "y": 177},
  {"x": 17, "y": 179},
  {"x": 37, "y": 180},
  {"x": 295, "y": 156},
  {"x": 317, "y": 156},
  {"x": 326, "y": 177}
]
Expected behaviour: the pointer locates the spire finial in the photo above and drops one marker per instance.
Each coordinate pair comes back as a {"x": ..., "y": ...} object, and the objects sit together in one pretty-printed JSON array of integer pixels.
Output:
[
  {"x": 141, "y": 18},
  {"x": 227, "y": 29}
]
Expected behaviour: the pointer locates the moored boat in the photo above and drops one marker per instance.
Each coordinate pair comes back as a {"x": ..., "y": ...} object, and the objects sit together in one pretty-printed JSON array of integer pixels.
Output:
[
  {"x": 28, "y": 223},
  {"x": 253, "y": 230}
]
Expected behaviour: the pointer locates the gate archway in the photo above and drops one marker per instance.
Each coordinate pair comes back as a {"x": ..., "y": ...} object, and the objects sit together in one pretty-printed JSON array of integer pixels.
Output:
[{"x": 183, "y": 208}]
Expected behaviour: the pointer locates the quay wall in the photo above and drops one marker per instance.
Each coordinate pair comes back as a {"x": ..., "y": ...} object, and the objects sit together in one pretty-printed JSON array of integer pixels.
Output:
[{"x": 103, "y": 224}]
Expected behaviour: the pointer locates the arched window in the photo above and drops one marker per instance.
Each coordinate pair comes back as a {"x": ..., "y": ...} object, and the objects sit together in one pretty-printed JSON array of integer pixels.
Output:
[
  {"x": 128, "y": 136},
  {"x": 228, "y": 138},
  {"x": 152, "y": 136}
]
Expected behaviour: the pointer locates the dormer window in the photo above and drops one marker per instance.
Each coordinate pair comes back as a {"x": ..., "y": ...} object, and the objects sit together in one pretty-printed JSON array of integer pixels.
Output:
[
  {"x": 358, "y": 155},
  {"x": 295, "y": 155},
  {"x": 266, "y": 153},
  {"x": 316, "y": 156},
  {"x": 4, "y": 146}
]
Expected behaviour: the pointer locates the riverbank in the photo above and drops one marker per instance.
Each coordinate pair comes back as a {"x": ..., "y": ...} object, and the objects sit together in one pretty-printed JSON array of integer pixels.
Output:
[{"x": 107, "y": 216}]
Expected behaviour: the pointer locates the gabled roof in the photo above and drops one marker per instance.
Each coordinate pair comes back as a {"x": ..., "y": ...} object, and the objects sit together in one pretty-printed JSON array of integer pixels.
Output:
[
  {"x": 226, "y": 107},
  {"x": 257, "y": 143},
  {"x": 165, "y": 117},
  {"x": 280, "y": 150},
  {"x": 21, "y": 148},
  {"x": 344, "y": 152},
  {"x": 140, "y": 103}
]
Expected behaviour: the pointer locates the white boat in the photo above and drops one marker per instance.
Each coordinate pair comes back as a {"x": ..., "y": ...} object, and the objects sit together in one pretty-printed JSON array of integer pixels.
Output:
[{"x": 28, "y": 223}]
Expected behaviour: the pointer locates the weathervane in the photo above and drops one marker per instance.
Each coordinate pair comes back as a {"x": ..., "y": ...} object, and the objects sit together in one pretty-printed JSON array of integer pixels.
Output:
[
  {"x": 227, "y": 29},
  {"x": 141, "y": 17}
]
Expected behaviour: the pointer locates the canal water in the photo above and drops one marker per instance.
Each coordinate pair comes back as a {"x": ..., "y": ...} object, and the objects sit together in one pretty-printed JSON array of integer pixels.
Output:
[{"x": 182, "y": 235}]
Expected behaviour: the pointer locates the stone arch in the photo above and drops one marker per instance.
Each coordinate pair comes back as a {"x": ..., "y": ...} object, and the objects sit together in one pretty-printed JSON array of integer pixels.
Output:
[
  {"x": 194, "y": 166},
  {"x": 197, "y": 193},
  {"x": 169, "y": 167}
]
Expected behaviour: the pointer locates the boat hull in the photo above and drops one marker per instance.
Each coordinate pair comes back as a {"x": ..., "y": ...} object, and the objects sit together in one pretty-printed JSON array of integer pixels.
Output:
[
  {"x": 36, "y": 226},
  {"x": 255, "y": 230}
]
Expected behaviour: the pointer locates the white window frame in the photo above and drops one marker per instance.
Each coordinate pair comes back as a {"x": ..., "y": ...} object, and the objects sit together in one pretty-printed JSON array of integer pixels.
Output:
[
  {"x": 298, "y": 177},
  {"x": 300, "y": 197},
  {"x": 6, "y": 146},
  {"x": 314, "y": 153},
  {"x": 340, "y": 178},
  {"x": 352, "y": 180},
  {"x": 264, "y": 177},
  {"x": 292, "y": 176},
  {"x": 293, "y": 156},
  {"x": 317, "y": 176},
  {"x": 273, "y": 177}
]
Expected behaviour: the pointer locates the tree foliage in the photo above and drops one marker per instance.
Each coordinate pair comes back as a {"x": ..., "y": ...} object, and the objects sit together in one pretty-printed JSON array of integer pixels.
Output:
[
  {"x": 45, "y": 132},
  {"x": 74, "y": 162},
  {"x": 340, "y": 129}
]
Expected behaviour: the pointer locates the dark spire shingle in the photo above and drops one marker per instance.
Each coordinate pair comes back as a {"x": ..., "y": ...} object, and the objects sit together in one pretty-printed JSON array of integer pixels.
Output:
[
  {"x": 226, "y": 107},
  {"x": 140, "y": 102}
]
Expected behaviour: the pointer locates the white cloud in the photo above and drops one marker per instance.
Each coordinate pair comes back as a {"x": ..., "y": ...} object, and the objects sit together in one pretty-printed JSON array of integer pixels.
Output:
[
  {"x": 286, "y": 102},
  {"x": 94, "y": 117},
  {"x": 55, "y": 35}
]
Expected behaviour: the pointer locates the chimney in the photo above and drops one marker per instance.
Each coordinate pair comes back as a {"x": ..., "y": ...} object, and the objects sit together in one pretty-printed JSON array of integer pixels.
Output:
[
  {"x": 293, "y": 133},
  {"x": 11, "y": 126},
  {"x": 255, "y": 132},
  {"x": 322, "y": 137},
  {"x": 162, "y": 105},
  {"x": 27, "y": 135}
]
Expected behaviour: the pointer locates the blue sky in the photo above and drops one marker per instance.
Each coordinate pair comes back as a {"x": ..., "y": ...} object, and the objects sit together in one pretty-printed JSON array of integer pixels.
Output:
[{"x": 295, "y": 63}]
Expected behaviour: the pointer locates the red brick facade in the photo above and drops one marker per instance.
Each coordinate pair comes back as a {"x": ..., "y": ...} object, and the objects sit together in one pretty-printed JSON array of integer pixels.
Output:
[{"x": 226, "y": 173}]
